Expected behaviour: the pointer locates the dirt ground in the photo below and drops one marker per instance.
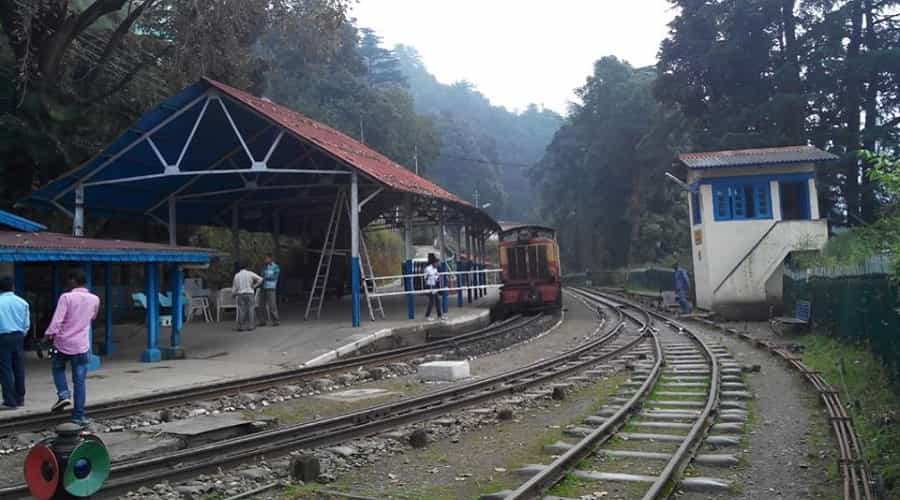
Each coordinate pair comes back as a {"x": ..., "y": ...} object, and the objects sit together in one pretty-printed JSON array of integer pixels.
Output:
[{"x": 790, "y": 453}]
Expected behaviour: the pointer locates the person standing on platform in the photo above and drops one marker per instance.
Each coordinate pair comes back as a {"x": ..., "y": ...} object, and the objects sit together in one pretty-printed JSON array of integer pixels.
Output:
[
  {"x": 244, "y": 288},
  {"x": 15, "y": 321},
  {"x": 682, "y": 286},
  {"x": 70, "y": 333},
  {"x": 431, "y": 283},
  {"x": 270, "y": 289}
]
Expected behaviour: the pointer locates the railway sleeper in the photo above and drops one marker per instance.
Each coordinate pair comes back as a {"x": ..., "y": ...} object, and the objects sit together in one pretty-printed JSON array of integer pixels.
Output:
[
  {"x": 696, "y": 484},
  {"x": 708, "y": 459}
]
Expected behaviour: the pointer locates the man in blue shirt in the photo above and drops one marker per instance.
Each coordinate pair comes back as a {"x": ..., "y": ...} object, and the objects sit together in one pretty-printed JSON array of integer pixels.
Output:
[
  {"x": 14, "y": 323},
  {"x": 270, "y": 286},
  {"x": 682, "y": 286}
]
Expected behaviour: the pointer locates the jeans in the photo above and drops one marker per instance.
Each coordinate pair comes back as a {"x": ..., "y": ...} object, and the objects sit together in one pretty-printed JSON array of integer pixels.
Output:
[
  {"x": 433, "y": 301},
  {"x": 246, "y": 311},
  {"x": 270, "y": 299},
  {"x": 12, "y": 369},
  {"x": 79, "y": 374},
  {"x": 683, "y": 302}
]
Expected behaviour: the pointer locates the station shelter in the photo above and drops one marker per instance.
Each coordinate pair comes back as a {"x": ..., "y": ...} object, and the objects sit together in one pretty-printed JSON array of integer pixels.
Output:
[
  {"x": 213, "y": 155},
  {"x": 750, "y": 209},
  {"x": 36, "y": 258}
]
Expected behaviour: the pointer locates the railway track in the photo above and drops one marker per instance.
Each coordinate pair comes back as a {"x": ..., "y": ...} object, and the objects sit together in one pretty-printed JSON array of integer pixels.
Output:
[
  {"x": 614, "y": 341},
  {"x": 127, "y": 407},
  {"x": 644, "y": 438}
]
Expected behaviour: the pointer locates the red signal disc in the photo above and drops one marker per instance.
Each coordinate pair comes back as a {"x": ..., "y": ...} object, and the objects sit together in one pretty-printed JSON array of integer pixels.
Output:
[{"x": 41, "y": 472}]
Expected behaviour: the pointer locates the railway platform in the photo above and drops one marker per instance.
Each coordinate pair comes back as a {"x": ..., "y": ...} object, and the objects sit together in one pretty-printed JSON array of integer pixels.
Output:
[{"x": 216, "y": 352}]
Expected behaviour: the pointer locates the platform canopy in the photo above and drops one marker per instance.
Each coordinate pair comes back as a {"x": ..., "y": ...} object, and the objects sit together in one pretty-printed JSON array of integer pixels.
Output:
[{"x": 212, "y": 148}]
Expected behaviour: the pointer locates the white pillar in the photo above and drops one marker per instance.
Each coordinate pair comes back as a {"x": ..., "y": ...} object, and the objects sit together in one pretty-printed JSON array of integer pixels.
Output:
[
  {"x": 172, "y": 222},
  {"x": 354, "y": 244},
  {"x": 235, "y": 234},
  {"x": 813, "y": 200},
  {"x": 276, "y": 235},
  {"x": 443, "y": 246},
  {"x": 407, "y": 227},
  {"x": 775, "y": 199},
  {"x": 78, "y": 222}
]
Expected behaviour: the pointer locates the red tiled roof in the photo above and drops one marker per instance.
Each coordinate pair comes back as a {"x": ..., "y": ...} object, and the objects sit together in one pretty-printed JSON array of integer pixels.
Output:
[
  {"x": 758, "y": 157},
  {"x": 55, "y": 241},
  {"x": 347, "y": 149}
]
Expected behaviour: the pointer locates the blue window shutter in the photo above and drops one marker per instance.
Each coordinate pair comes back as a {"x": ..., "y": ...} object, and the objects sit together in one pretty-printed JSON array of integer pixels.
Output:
[
  {"x": 740, "y": 202},
  {"x": 721, "y": 203},
  {"x": 762, "y": 200},
  {"x": 695, "y": 208}
]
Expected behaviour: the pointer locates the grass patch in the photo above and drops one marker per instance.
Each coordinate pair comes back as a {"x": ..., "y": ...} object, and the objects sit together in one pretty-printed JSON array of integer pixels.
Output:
[{"x": 873, "y": 403}]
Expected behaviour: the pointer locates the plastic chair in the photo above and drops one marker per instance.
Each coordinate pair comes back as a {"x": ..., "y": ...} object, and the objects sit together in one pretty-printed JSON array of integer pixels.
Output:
[
  {"x": 225, "y": 302},
  {"x": 197, "y": 305}
]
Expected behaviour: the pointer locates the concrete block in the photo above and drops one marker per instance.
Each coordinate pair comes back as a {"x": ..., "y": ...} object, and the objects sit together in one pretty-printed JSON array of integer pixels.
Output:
[{"x": 444, "y": 370}]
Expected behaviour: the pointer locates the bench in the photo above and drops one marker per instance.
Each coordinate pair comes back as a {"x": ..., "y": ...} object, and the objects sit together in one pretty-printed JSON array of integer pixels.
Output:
[{"x": 800, "y": 319}]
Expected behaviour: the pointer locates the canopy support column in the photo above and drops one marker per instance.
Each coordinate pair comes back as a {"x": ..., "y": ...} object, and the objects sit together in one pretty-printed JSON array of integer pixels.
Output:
[
  {"x": 107, "y": 347},
  {"x": 354, "y": 244},
  {"x": 175, "y": 351},
  {"x": 173, "y": 228},
  {"x": 408, "y": 283},
  {"x": 444, "y": 281},
  {"x": 78, "y": 219},
  {"x": 459, "y": 267},
  {"x": 55, "y": 282},
  {"x": 276, "y": 235},
  {"x": 235, "y": 237},
  {"x": 484, "y": 265},
  {"x": 152, "y": 353},
  {"x": 470, "y": 266},
  {"x": 19, "y": 278},
  {"x": 94, "y": 362}
]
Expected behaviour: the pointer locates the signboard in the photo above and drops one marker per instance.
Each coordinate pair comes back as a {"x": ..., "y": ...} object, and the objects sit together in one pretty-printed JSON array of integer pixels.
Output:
[{"x": 698, "y": 236}]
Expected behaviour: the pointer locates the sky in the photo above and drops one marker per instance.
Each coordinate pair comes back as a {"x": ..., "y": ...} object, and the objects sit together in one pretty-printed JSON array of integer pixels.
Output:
[{"x": 518, "y": 52}]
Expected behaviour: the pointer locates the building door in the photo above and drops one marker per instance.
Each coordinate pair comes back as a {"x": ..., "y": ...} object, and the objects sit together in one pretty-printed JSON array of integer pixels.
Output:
[{"x": 794, "y": 200}]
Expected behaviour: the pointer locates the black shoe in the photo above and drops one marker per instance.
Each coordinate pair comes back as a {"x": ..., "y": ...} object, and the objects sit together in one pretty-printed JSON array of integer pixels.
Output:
[
  {"x": 60, "y": 405},
  {"x": 276, "y": 324},
  {"x": 6, "y": 407}
]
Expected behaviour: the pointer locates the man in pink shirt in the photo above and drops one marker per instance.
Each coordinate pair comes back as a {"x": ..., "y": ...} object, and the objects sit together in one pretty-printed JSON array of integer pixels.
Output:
[{"x": 70, "y": 333}]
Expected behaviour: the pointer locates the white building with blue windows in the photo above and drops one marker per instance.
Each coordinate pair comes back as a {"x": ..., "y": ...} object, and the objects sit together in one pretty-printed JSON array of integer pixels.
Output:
[{"x": 749, "y": 210}]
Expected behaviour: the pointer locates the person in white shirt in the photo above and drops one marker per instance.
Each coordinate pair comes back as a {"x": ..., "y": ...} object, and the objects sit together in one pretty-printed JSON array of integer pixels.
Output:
[
  {"x": 431, "y": 283},
  {"x": 244, "y": 289}
]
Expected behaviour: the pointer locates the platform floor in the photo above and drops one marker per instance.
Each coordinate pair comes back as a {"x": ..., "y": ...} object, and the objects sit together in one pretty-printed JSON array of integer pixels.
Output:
[{"x": 217, "y": 352}]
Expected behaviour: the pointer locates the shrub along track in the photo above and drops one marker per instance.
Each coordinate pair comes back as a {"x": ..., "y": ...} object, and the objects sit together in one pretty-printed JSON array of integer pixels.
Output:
[
  {"x": 127, "y": 407},
  {"x": 612, "y": 343},
  {"x": 663, "y": 416}
]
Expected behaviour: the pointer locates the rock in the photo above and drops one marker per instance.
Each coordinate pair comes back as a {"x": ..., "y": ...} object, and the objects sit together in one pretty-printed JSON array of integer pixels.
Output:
[
  {"x": 322, "y": 384},
  {"x": 346, "y": 379},
  {"x": 342, "y": 451},
  {"x": 28, "y": 438},
  {"x": 253, "y": 397},
  {"x": 255, "y": 474},
  {"x": 559, "y": 394},
  {"x": 191, "y": 491},
  {"x": 419, "y": 438},
  {"x": 305, "y": 468},
  {"x": 325, "y": 478},
  {"x": 379, "y": 372},
  {"x": 505, "y": 414}
]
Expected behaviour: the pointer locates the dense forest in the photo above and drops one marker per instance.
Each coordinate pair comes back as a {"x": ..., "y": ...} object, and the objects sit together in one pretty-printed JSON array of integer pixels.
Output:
[{"x": 731, "y": 74}]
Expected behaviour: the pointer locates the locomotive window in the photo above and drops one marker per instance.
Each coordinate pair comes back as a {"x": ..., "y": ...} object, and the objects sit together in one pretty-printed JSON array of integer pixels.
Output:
[
  {"x": 532, "y": 262},
  {"x": 515, "y": 258},
  {"x": 543, "y": 270}
]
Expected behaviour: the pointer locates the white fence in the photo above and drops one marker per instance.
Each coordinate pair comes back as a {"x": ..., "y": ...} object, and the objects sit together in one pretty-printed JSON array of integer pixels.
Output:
[{"x": 450, "y": 281}]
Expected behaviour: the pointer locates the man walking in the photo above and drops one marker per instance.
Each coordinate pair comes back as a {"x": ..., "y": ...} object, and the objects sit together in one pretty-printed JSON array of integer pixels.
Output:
[
  {"x": 70, "y": 331},
  {"x": 431, "y": 283},
  {"x": 14, "y": 324},
  {"x": 244, "y": 289},
  {"x": 682, "y": 286},
  {"x": 270, "y": 288}
]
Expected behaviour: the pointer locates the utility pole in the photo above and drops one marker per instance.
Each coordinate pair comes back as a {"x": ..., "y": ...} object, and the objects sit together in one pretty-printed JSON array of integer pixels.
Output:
[
  {"x": 476, "y": 198},
  {"x": 416, "y": 158}
]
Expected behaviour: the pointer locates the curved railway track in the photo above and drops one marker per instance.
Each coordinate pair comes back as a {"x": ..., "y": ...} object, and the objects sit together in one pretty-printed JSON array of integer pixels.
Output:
[
  {"x": 676, "y": 402},
  {"x": 610, "y": 343},
  {"x": 131, "y": 406}
]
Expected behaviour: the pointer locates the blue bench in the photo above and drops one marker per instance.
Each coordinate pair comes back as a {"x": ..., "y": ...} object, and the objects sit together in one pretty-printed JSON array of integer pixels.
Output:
[{"x": 800, "y": 319}]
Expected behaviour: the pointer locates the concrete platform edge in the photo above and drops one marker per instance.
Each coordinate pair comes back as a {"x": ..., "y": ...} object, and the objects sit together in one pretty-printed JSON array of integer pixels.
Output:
[{"x": 483, "y": 318}]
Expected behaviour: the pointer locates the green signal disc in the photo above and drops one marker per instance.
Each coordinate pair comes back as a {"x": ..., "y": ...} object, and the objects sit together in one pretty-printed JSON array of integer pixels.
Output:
[{"x": 87, "y": 469}]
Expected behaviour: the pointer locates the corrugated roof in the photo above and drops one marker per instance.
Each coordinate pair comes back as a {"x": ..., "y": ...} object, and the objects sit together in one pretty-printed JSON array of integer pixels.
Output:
[
  {"x": 755, "y": 157},
  {"x": 17, "y": 223},
  {"x": 347, "y": 149},
  {"x": 54, "y": 246}
]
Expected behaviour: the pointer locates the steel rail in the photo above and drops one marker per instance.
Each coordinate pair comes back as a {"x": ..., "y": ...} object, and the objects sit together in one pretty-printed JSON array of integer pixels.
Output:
[
  {"x": 662, "y": 486},
  {"x": 126, "y": 407},
  {"x": 553, "y": 473},
  {"x": 856, "y": 479},
  {"x": 359, "y": 423}
]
